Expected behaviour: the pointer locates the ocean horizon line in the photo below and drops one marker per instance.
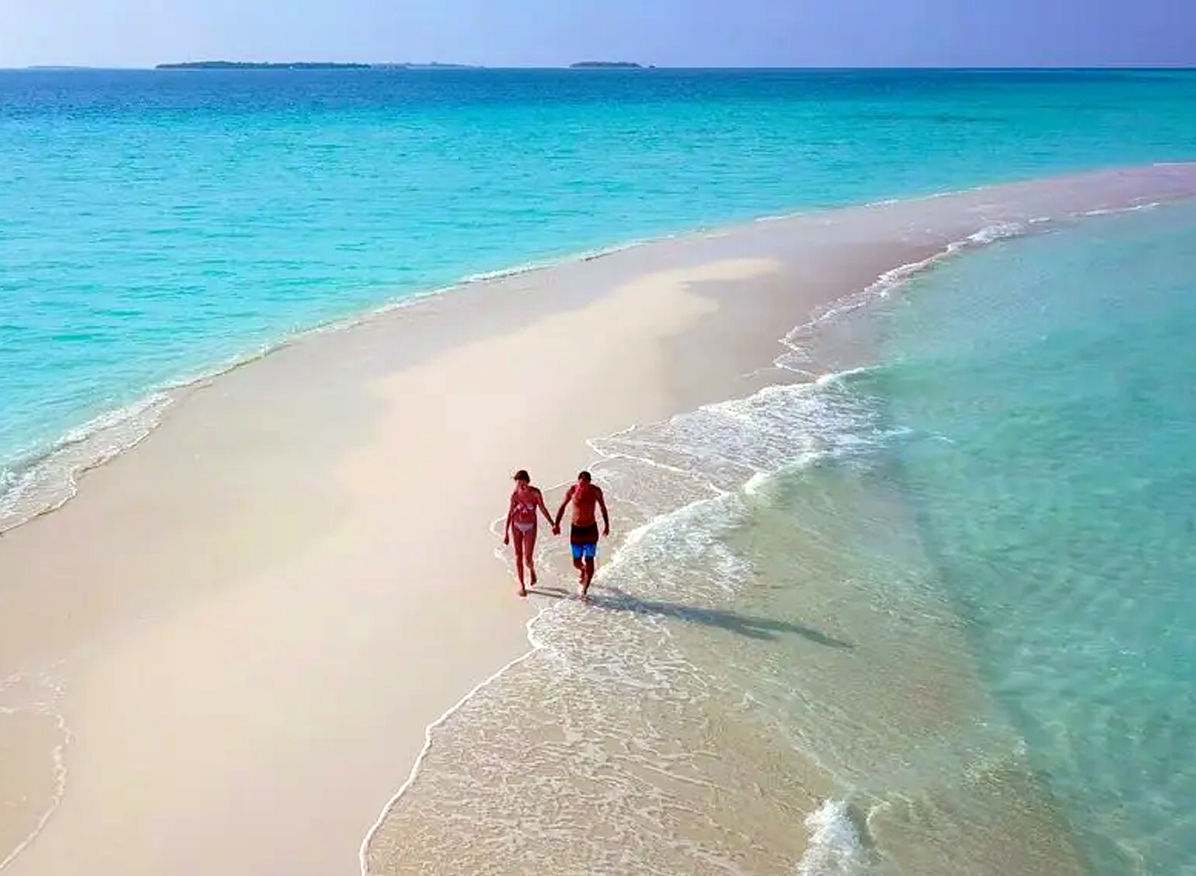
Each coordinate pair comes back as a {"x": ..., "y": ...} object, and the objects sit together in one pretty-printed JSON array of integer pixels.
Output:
[{"x": 300, "y": 66}]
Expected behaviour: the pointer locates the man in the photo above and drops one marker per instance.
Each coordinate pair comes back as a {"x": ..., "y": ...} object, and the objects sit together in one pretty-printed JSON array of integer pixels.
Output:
[{"x": 583, "y": 536}]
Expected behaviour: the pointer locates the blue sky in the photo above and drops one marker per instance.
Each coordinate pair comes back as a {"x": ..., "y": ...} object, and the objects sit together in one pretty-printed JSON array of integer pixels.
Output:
[{"x": 555, "y": 32}]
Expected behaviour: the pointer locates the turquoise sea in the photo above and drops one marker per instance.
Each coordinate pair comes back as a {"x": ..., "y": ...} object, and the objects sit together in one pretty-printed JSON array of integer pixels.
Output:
[
  {"x": 1058, "y": 511},
  {"x": 159, "y": 224},
  {"x": 938, "y": 597}
]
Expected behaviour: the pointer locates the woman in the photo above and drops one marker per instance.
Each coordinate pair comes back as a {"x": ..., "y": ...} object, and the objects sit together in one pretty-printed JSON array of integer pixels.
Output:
[{"x": 526, "y": 500}]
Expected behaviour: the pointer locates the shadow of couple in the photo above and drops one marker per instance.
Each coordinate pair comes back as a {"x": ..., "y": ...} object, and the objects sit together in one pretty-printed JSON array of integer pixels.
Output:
[{"x": 614, "y": 599}]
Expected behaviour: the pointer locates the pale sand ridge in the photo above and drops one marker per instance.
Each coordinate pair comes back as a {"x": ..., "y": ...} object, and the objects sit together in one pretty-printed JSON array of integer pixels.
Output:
[{"x": 260, "y": 725}]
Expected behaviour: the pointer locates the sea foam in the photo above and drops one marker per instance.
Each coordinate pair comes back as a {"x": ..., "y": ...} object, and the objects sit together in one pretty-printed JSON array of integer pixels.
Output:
[{"x": 836, "y": 847}]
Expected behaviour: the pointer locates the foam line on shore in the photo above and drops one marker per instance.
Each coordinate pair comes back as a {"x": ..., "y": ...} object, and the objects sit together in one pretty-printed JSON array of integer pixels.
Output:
[
  {"x": 889, "y": 281},
  {"x": 57, "y": 753},
  {"x": 428, "y": 732},
  {"x": 896, "y": 277}
]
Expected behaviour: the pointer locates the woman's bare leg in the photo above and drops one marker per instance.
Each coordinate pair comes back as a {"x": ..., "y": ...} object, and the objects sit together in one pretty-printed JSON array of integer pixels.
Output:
[
  {"x": 519, "y": 560},
  {"x": 529, "y": 555}
]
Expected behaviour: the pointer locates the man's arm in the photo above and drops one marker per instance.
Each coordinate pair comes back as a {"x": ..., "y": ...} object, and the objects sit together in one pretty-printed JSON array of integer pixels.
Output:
[
  {"x": 605, "y": 516},
  {"x": 561, "y": 511}
]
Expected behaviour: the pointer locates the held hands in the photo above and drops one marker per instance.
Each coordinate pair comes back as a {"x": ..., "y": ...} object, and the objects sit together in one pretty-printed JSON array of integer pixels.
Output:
[{"x": 556, "y": 529}]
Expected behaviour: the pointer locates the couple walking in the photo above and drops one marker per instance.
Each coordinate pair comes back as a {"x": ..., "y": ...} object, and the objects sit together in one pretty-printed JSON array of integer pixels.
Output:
[{"x": 526, "y": 501}]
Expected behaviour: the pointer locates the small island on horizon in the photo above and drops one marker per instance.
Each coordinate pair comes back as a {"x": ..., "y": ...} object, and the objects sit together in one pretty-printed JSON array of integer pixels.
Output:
[
  {"x": 619, "y": 65},
  {"x": 306, "y": 65}
]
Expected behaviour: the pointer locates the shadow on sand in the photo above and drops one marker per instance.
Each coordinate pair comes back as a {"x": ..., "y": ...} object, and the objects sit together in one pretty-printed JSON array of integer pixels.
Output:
[
  {"x": 550, "y": 592},
  {"x": 613, "y": 599}
]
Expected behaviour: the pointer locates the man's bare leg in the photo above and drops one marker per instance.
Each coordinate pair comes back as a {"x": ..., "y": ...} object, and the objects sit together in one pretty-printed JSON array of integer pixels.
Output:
[
  {"x": 588, "y": 577},
  {"x": 581, "y": 573}
]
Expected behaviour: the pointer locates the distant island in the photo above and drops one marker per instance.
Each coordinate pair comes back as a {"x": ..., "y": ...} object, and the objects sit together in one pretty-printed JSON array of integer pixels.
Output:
[
  {"x": 621, "y": 65},
  {"x": 304, "y": 65}
]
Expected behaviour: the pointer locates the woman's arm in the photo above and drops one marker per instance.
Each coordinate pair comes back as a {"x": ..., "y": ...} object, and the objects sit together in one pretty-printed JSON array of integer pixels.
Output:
[
  {"x": 506, "y": 530},
  {"x": 544, "y": 508}
]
